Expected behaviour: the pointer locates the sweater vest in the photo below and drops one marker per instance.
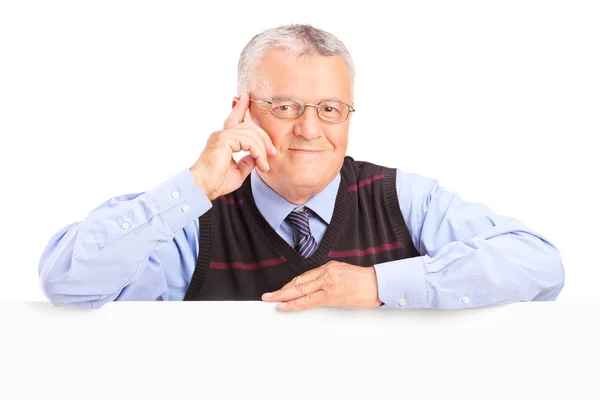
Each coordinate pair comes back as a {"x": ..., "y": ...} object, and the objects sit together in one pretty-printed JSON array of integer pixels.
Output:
[{"x": 241, "y": 256}]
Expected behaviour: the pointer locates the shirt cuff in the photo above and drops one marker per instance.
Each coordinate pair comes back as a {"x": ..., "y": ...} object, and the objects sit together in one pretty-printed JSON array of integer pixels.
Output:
[
  {"x": 401, "y": 283},
  {"x": 178, "y": 201}
]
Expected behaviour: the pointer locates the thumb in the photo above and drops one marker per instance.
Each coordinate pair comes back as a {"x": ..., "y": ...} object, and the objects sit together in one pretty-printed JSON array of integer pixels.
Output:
[{"x": 246, "y": 165}]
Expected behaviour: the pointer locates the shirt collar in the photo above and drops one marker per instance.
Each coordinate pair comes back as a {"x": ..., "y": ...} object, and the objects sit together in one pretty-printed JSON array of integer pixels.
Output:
[{"x": 275, "y": 208}]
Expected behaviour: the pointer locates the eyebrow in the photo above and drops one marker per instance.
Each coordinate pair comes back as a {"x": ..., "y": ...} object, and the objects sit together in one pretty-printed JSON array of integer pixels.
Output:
[
  {"x": 325, "y": 99},
  {"x": 335, "y": 99}
]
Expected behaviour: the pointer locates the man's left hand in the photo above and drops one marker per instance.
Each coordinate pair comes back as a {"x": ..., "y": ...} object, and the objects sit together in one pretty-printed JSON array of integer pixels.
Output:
[{"x": 334, "y": 284}]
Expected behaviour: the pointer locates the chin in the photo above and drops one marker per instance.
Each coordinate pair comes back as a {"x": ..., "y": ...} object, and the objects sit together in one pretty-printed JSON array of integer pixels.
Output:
[{"x": 305, "y": 180}]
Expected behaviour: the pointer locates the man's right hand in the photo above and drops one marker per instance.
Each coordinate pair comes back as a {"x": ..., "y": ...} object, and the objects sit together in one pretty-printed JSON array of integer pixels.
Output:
[{"x": 216, "y": 172}]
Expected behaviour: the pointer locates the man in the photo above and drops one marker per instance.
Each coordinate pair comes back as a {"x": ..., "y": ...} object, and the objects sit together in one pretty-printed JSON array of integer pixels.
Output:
[{"x": 296, "y": 221}]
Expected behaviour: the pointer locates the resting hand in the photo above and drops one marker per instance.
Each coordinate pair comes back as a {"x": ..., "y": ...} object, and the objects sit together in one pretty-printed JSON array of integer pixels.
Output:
[{"x": 334, "y": 284}]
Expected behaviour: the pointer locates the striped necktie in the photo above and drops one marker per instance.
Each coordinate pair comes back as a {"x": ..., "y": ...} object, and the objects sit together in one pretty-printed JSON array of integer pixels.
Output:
[{"x": 305, "y": 241}]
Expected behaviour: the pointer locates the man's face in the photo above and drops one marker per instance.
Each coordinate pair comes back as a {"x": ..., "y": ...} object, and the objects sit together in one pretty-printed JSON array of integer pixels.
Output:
[{"x": 310, "y": 151}]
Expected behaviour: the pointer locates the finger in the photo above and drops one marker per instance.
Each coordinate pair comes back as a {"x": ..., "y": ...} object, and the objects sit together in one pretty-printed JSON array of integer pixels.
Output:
[
  {"x": 247, "y": 130},
  {"x": 311, "y": 300},
  {"x": 264, "y": 136},
  {"x": 245, "y": 166},
  {"x": 305, "y": 277},
  {"x": 237, "y": 114},
  {"x": 251, "y": 135},
  {"x": 247, "y": 143},
  {"x": 293, "y": 292}
]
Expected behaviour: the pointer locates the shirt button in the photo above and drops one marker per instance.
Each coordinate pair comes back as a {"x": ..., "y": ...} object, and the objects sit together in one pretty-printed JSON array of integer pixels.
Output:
[
  {"x": 402, "y": 301},
  {"x": 125, "y": 225},
  {"x": 185, "y": 208},
  {"x": 175, "y": 194},
  {"x": 465, "y": 299}
]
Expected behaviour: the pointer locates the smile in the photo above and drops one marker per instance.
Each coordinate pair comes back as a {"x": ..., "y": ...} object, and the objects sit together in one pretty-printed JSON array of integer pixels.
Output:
[{"x": 303, "y": 151}]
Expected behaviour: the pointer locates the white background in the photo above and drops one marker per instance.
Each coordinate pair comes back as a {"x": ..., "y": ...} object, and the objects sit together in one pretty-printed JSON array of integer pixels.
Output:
[{"x": 498, "y": 100}]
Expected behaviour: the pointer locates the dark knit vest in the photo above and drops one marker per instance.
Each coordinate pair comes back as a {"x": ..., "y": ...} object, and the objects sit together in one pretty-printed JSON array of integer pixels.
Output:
[{"x": 241, "y": 257}]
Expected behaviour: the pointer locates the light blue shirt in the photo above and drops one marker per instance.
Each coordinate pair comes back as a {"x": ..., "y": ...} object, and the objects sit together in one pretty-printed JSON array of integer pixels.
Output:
[{"x": 144, "y": 246}]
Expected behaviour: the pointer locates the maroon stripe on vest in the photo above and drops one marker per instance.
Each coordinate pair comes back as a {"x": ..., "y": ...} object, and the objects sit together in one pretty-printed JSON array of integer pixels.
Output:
[
  {"x": 230, "y": 200},
  {"x": 260, "y": 264},
  {"x": 364, "y": 182},
  {"x": 368, "y": 250}
]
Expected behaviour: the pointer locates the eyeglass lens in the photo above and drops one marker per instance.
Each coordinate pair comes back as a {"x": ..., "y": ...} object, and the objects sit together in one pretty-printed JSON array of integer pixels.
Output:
[{"x": 329, "y": 110}]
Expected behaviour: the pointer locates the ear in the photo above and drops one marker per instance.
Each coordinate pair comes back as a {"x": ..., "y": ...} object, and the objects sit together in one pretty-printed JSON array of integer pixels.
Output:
[{"x": 234, "y": 101}]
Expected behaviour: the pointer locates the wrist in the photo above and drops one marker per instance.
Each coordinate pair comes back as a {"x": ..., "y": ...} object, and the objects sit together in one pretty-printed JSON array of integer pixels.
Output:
[
  {"x": 376, "y": 301},
  {"x": 201, "y": 182}
]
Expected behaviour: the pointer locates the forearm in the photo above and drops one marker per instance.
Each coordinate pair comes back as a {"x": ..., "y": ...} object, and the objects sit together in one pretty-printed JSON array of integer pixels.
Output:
[
  {"x": 88, "y": 264},
  {"x": 508, "y": 267}
]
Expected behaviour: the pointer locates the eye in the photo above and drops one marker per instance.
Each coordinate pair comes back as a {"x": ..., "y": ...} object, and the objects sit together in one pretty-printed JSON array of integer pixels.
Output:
[
  {"x": 285, "y": 107},
  {"x": 330, "y": 110}
]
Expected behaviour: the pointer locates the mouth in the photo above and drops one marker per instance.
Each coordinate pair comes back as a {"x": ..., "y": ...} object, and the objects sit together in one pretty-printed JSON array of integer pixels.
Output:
[{"x": 305, "y": 151}]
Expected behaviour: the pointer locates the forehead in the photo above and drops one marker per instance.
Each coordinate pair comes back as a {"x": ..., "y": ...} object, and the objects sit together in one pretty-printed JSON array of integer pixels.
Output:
[{"x": 310, "y": 78}]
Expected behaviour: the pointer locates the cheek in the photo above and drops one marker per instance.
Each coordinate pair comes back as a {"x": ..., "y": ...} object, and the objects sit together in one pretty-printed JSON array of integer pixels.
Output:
[
  {"x": 339, "y": 140},
  {"x": 276, "y": 130}
]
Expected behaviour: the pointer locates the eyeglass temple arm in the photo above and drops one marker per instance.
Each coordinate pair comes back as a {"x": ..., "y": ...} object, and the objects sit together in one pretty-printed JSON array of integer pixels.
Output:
[{"x": 261, "y": 101}]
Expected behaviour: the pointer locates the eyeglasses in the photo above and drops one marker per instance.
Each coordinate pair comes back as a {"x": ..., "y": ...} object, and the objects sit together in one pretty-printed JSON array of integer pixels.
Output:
[{"x": 290, "y": 108}]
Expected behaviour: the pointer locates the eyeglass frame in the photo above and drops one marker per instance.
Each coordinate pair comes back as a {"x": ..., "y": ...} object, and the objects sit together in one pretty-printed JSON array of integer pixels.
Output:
[{"x": 300, "y": 101}]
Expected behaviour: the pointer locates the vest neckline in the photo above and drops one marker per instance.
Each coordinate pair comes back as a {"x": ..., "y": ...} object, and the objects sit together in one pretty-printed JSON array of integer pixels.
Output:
[{"x": 294, "y": 259}]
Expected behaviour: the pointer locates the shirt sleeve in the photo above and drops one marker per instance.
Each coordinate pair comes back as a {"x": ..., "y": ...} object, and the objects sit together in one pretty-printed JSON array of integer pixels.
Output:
[
  {"x": 114, "y": 249},
  {"x": 470, "y": 256}
]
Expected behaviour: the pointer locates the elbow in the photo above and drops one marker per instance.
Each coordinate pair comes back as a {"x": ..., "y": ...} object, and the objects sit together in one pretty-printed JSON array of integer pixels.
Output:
[
  {"x": 551, "y": 276},
  {"x": 70, "y": 301},
  {"x": 47, "y": 288},
  {"x": 62, "y": 294},
  {"x": 52, "y": 291},
  {"x": 48, "y": 284},
  {"x": 57, "y": 273}
]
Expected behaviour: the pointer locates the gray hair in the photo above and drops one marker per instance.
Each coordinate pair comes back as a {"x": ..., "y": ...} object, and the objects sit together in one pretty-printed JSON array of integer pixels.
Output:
[{"x": 303, "y": 40}]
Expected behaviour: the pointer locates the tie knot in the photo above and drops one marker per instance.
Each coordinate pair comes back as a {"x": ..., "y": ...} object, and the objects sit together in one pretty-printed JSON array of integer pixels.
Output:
[
  {"x": 299, "y": 220},
  {"x": 304, "y": 213}
]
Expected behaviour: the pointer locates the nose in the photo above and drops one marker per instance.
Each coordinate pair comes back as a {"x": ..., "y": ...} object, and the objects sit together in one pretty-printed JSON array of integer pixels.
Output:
[{"x": 308, "y": 125}]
